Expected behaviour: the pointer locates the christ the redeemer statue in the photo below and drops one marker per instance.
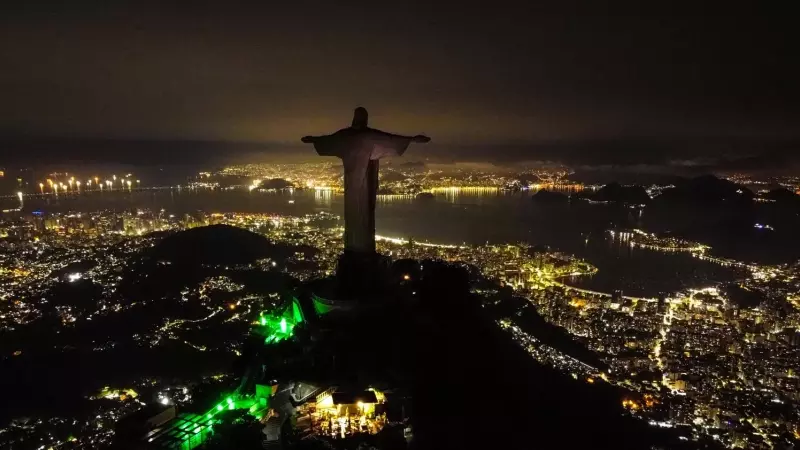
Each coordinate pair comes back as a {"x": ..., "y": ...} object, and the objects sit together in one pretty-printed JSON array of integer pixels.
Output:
[{"x": 360, "y": 148}]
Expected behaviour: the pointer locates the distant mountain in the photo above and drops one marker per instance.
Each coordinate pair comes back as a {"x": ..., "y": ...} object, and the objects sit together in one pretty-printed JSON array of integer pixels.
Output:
[
  {"x": 782, "y": 195},
  {"x": 706, "y": 189},
  {"x": 616, "y": 193},
  {"x": 546, "y": 197},
  {"x": 388, "y": 176},
  {"x": 722, "y": 214},
  {"x": 218, "y": 245},
  {"x": 276, "y": 183}
]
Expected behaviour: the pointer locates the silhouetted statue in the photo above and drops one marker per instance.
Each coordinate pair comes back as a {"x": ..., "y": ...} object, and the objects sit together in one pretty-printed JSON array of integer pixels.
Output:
[{"x": 360, "y": 148}]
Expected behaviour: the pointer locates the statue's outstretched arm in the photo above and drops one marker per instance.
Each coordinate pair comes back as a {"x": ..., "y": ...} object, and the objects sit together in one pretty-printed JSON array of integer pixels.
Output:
[
  {"x": 311, "y": 139},
  {"x": 418, "y": 138},
  {"x": 327, "y": 145},
  {"x": 388, "y": 144}
]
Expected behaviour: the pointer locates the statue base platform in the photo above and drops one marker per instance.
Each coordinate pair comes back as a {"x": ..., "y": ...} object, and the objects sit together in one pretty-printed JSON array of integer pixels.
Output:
[
  {"x": 361, "y": 275},
  {"x": 361, "y": 280}
]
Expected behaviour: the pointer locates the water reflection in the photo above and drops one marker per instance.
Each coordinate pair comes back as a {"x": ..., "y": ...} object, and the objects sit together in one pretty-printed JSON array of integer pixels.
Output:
[
  {"x": 395, "y": 199},
  {"x": 323, "y": 197},
  {"x": 452, "y": 194},
  {"x": 456, "y": 216}
]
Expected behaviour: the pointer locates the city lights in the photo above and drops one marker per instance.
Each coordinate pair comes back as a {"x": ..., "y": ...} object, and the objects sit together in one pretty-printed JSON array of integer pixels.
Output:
[
  {"x": 684, "y": 359},
  {"x": 73, "y": 277}
]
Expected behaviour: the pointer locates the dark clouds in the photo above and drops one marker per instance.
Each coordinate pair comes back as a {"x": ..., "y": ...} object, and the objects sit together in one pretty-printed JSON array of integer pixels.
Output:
[{"x": 458, "y": 72}]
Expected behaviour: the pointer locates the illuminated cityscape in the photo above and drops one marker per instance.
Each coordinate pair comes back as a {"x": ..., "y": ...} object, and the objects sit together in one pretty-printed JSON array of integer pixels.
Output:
[
  {"x": 398, "y": 226},
  {"x": 397, "y": 179},
  {"x": 692, "y": 360}
]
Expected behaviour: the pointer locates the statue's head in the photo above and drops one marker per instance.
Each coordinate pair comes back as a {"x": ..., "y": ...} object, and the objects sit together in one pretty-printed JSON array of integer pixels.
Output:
[{"x": 360, "y": 118}]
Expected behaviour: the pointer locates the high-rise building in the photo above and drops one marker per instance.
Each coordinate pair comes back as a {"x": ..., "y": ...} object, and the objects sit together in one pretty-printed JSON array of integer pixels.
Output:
[{"x": 662, "y": 302}]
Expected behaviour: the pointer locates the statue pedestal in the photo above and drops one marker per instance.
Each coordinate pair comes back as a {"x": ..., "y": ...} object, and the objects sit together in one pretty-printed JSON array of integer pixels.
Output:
[{"x": 361, "y": 275}]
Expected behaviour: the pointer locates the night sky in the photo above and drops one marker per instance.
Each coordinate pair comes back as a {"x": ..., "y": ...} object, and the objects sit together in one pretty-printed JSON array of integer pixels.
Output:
[{"x": 458, "y": 72}]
